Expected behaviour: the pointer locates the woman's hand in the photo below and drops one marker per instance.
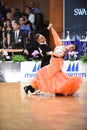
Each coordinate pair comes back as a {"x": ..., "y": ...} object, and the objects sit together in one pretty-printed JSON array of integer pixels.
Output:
[{"x": 50, "y": 26}]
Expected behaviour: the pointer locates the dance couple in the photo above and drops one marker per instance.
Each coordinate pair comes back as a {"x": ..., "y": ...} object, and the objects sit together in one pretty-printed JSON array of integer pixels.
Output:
[{"x": 51, "y": 78}]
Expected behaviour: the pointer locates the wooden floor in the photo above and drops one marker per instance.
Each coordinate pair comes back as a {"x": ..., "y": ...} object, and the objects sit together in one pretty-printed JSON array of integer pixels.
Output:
[{"x": 19, "y": 111}]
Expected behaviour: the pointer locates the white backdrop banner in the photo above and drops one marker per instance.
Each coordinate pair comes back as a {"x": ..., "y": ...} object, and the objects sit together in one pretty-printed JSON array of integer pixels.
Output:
[
  {"x": 76, "y": 68},
  {"x": 72, "y": 68},
  {"x": 26, "y": 71},
  {"x": 29, "y": 70}
]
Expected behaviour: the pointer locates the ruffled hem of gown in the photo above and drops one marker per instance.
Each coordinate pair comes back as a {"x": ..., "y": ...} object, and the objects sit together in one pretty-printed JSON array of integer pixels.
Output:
[{"x": 58, "y": 83}]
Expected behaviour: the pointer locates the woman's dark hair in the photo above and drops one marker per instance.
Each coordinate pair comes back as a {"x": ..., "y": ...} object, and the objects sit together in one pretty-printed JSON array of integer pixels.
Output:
[
  {"x": 75, "y": 46},
  {"x": 9, "y": 22}
]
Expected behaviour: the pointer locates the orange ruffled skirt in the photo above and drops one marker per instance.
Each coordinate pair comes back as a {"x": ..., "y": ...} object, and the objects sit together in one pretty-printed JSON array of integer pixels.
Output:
[{"x": 51, "y": 79}]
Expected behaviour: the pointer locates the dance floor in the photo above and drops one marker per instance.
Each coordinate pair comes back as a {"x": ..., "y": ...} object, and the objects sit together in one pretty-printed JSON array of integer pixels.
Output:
[{"x": 19, "y": 111}]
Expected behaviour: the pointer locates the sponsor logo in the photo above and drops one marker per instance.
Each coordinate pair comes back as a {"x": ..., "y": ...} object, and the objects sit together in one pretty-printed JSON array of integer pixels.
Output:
[
  {"x": 73, "y": 70},
  {"x": 80, "y": 11},
  {"x": 34, "y": 71},
  {"x": 73, "y": 67},
  {"x": 36, "y": 68}
]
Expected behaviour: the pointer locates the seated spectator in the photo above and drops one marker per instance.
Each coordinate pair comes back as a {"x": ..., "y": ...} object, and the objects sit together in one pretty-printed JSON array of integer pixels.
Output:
[
  {"x": 16, "y": 14},
  {"x": 29, "y": 46},
  {"x": 38, "y": 25},
  {"x": 17, "y": 37},
  {"x": 9, "y": 15},
  {"x": 25, "y": 28},
  {"x": 7, "y": 30},
  {"x": 27, "y": 22},
  {"x": 34, "y": 9},
  {"x": 1, "y": 37},
  {"x": 31, "y": 16}
]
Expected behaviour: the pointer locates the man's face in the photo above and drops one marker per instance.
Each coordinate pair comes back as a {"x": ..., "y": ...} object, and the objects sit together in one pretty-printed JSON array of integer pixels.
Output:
[
  {"x": 21, "y": 21},
  {"x": 41, "y": 39},
  {"x": 15, "y": 26}
]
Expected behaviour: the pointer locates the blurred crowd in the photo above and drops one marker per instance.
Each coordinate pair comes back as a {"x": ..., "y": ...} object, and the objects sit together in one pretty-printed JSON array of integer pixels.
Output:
[{"x": 17, "y": 29}]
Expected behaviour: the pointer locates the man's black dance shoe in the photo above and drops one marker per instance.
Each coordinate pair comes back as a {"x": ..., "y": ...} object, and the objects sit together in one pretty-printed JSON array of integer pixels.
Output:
[{"x": 29, "y": 88}]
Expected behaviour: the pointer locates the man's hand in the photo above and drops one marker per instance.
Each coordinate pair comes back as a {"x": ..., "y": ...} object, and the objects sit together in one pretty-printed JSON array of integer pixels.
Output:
[{"x": 26, "y": 52}]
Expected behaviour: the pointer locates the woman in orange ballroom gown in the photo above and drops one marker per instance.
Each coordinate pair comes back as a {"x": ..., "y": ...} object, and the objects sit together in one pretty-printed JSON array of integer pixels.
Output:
[{"x": 50, "y": 78}]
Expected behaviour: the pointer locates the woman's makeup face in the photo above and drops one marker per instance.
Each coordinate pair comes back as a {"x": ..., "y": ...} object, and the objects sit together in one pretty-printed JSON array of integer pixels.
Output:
[{"x": 71, "y": 47}]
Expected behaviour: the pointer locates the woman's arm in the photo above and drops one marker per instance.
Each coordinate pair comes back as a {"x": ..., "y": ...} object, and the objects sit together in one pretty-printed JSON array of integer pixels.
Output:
[
  {"x": 59, "y": 55},
  {"x": 56, "y": 38}
]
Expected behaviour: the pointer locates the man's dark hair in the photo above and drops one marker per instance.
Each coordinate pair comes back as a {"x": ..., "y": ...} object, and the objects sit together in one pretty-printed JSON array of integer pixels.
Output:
[{"x": 36, "y": 36}]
